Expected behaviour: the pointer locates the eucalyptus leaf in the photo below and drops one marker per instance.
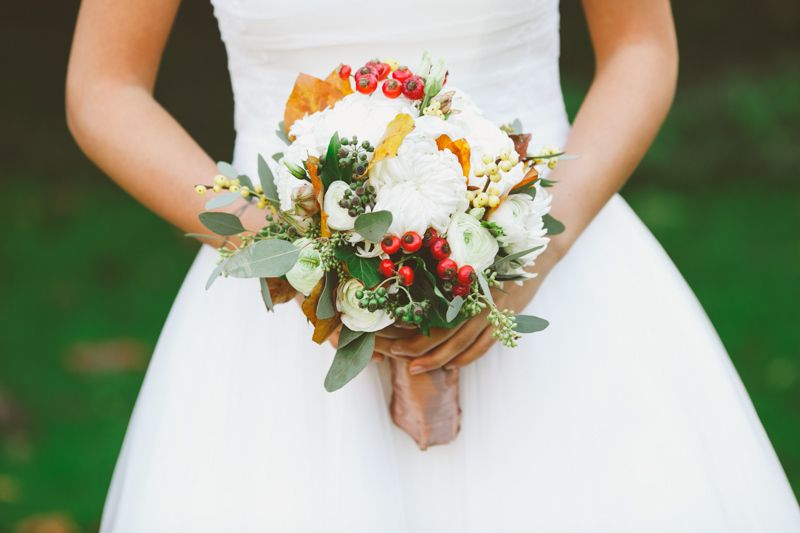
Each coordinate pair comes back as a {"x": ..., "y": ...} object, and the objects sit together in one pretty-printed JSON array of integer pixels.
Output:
[
  {"x": 267, "y": 179},
  {"x": 513, "y": 257},
  {"x": 530, "y": 324},
  {"x": 281, "y": 133},
  {"x": 349, "y": 361},
  {"x": 552, "y": 225},
  {"x": 325, "y": 307},
  {"x": 222, "y": 223},
  {"x": 485, "y": 287},
  {"x": 270, "y": 258},
  {"x": 215, "y": 274},
  {"x": 227, "y": 170},
  {"x": 265, "y": 294},
  {"x": 245, "y": 180},
  {"x": 277, "y": 156},
  {"x": 347, "y": 335},
  {"x": 223, "y": 200},
  {"x": 454, "y": 308},
  {"x": 373, "y": 226}
]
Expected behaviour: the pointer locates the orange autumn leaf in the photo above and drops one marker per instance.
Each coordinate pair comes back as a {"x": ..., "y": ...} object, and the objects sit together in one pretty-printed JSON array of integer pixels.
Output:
[
  {"x": 312, "y": 166},
  {"x": 322, "y": 328},
  {"x": 531, "y": 176},
  {"x": 309, "y": 95},
  {"x": 396, "y": 131},
  {"x": 280, "y": 290},
  {"x": 343, "y": 84},
  {"x": 460, "y": 149}
]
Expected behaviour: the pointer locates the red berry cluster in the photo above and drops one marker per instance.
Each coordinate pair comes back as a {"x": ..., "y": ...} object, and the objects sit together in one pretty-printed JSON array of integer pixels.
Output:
[
  {"x": 460, "y": 278},
  {"x": 402, "y": 80}
]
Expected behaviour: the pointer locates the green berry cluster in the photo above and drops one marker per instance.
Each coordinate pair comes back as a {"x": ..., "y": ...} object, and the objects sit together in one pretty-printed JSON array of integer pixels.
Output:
[
  {"x": 494, "y": 229},
  {"x": 327, "y": 253},
  {"x": 277, "y": 228},
  {"x": 474, "y": 303},
  {"x": 413, "y": 312},
  {"x": 503, "y": 323},
  {"x": 491, "y": 277},
  {"x": 354, "y": 155},
  {"x": 357, "y": 198},
  {"x": 372, "y": 299}
]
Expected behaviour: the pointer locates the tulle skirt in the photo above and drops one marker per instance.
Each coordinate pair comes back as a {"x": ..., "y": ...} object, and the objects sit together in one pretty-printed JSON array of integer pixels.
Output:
[{"x": 625, "y": 415}]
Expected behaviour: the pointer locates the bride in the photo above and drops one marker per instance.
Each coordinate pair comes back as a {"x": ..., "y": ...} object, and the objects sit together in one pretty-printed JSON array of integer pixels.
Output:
[{"x": 625, "y": 415}]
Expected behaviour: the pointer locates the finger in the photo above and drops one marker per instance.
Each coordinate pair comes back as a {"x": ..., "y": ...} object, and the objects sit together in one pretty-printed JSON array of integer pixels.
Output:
[
  {"x": 377, "y": 357},
  {"x": 474, "y": 352},
  {"x": 420, "y": 344},
  {"x": 449, "y": 350}
]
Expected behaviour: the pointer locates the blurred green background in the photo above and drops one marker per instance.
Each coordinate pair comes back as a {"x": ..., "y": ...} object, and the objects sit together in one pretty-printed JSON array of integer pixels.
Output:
[{"x": 89, "y": 275}]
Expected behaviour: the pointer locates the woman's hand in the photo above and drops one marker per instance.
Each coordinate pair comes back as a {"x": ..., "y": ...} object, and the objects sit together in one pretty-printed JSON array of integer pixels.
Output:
[{"x": 461, "y": 346}]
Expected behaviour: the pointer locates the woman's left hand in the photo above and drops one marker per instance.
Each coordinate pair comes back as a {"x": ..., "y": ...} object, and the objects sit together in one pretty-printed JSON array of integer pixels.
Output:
[{"x": 460, "y": 346}]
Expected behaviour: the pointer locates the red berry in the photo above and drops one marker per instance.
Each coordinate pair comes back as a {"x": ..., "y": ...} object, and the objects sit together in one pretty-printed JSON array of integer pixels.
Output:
[
  {"x": 406, "y": 275},
  {"x": 466, "y": 275},
  {"x": 344, "y": 71},
  {"x": 447, "y": 268},
  {"x": 391, "y": 244},
  {"x": 392, "y": 88},
  {"x": 440, "y": 249},
  {"x": 430, "y": 236},
  {"x": 402, "y": 73},
  {"x": 366, "y": 84},
  {"x": 460, "y": 289},
  {"x": 383, "y": 70},
  {"x": 386, "y": 268},
  {"x": 414, "y": 88},
  {"x": 411, "y": 242},
  {"x": 366, "y": 70}
]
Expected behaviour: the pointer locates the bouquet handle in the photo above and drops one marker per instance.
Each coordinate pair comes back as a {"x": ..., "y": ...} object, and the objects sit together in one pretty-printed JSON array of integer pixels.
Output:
[{"x": 426, "y": 406}]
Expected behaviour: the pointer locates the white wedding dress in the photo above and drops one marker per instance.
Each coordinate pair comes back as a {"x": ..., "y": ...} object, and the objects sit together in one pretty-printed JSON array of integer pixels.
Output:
[{"x": 626, "y": 415}]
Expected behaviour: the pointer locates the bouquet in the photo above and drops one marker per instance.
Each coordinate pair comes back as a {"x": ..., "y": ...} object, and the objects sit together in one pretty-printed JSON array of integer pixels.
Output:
[{"x": 390, "y": 211}]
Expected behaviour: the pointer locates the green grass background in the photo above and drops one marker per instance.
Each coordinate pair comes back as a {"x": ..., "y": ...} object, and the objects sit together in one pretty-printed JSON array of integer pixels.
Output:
[{"x": 83, "y": 263}]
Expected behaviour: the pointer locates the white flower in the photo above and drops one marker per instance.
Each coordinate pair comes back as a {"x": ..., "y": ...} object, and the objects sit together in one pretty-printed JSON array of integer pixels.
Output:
[
  {"x": 471, "y": 243},
  {"x": 353, "y": 316},
  {"x": 338, "y": 218},
  {"x": 520, "y": 216},
  {"x": 422, "y": 187},
  {"x": 306, "y": 273}
]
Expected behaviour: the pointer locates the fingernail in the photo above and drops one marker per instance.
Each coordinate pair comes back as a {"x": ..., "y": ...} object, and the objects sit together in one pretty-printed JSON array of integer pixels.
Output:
[
  {"x": 414, "y": 370},
  {"x": 397, "y": 350},
  {"x": 450, "y": 367}
]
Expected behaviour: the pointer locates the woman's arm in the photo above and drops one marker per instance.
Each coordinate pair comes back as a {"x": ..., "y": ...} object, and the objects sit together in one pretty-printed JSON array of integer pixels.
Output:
[
  {"x": 113, "y": 116},
  {"x": 634, "y": 83}
]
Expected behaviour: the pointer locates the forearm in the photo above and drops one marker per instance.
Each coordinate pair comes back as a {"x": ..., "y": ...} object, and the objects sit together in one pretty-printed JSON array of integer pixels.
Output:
[{"x": 623, "y": 110}]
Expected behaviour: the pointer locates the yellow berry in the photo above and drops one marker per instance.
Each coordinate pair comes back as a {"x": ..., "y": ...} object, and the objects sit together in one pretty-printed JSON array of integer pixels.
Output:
[
  {"x": 494, "y": 201},
  {"x": 479, "y": 173},
  {"x": 470, "y": 195},
  {"x": 220, "y": 180},
  {"x": 393, "y": 64},
  {"x": 493, "y": 191},
  {"x": 506, "y": 166},
  {"x": 261, "y": 203},
  {"x": 245, "y": 191},
  {"x": 552, "y": 164},
  {"x": 235, "y": 182},
  {"x": 495, "y": 177},
  {"x": 217, "y": 188},
  {"x": 487, "y": 159},
  {"x": 514, "y": 158},
  {"x": 491, "y": 168},
  {"x": 200, "y": 189},
  {"x": 481, "y": 199},
  {"x": 504, "y": 155},
  {"x": 258, "y": 188},
  {"x": 234, "y": 188}
]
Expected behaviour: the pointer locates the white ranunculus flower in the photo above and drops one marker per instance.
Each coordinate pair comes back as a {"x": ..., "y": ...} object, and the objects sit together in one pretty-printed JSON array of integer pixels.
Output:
[
  {"x": 422, "y": 187},
  {"x": 306, "y": 273},
  {"x": 520, "y": 216},
  {"x": 471, "y": 243},
  {"x": 338, "y": 218},
  {"x": 353, "y": 316}
]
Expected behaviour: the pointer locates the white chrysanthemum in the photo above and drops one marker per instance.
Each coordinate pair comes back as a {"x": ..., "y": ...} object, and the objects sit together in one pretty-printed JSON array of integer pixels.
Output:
[
  {"x": 422, "y": 187},
  {"x": 521, "y": 218},
  {"x": 354, "y": 316}
]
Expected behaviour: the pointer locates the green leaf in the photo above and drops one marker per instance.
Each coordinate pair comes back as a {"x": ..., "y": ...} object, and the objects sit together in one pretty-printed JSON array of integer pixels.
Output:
[
  {"x": 277, "y": 156},
  {"x": 485, "y": 287},
  {"x": 347, "y": 335},
  {"x": 373, "y": 226},
  {"x": 330, "y": 170},
  {"x": 215, "y": 274},
  {"x": 267, "y": 179},
  {"x": 516, "y": 125},
  {"x": 552, "y": 225},
  {"x": 431, "y": 278},
  {"x": 223, "y": 200},
  {"x": 222, "y": 223},
  {"x": 265, "y": 294},
  {"x": 454, "y": 308},
  {"x": 281, "y": 133},
  {"x": 349, "y": 361},
  {"x": 245, "y": 181},
  {"x": 364, "y": 269},
  {"x": 325, "y": 307},
  {"x": 530, "y": 324},
  {"x": 513, "y": 257},
  {"x": 270, "y": 258},
  {"x": 547, "y": 183},
  {"x": 227, "y": 170}
]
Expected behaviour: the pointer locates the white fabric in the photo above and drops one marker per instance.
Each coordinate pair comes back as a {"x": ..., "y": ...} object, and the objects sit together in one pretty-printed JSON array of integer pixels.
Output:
[{"x": 626, "y": 415}]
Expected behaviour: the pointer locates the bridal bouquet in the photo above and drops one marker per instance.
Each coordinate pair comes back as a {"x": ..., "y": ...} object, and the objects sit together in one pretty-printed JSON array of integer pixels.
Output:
[{"x": 395, "y": 206}]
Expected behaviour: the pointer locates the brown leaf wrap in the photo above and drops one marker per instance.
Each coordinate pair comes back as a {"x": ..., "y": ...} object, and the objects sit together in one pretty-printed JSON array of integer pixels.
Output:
[
  {"x": 322, "y": 328},
  {"x": 280, "y": 290}
]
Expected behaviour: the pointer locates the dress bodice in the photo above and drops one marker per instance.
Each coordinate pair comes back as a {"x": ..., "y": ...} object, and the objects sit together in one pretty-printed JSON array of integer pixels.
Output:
[{"x": 503, "y": 53}]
